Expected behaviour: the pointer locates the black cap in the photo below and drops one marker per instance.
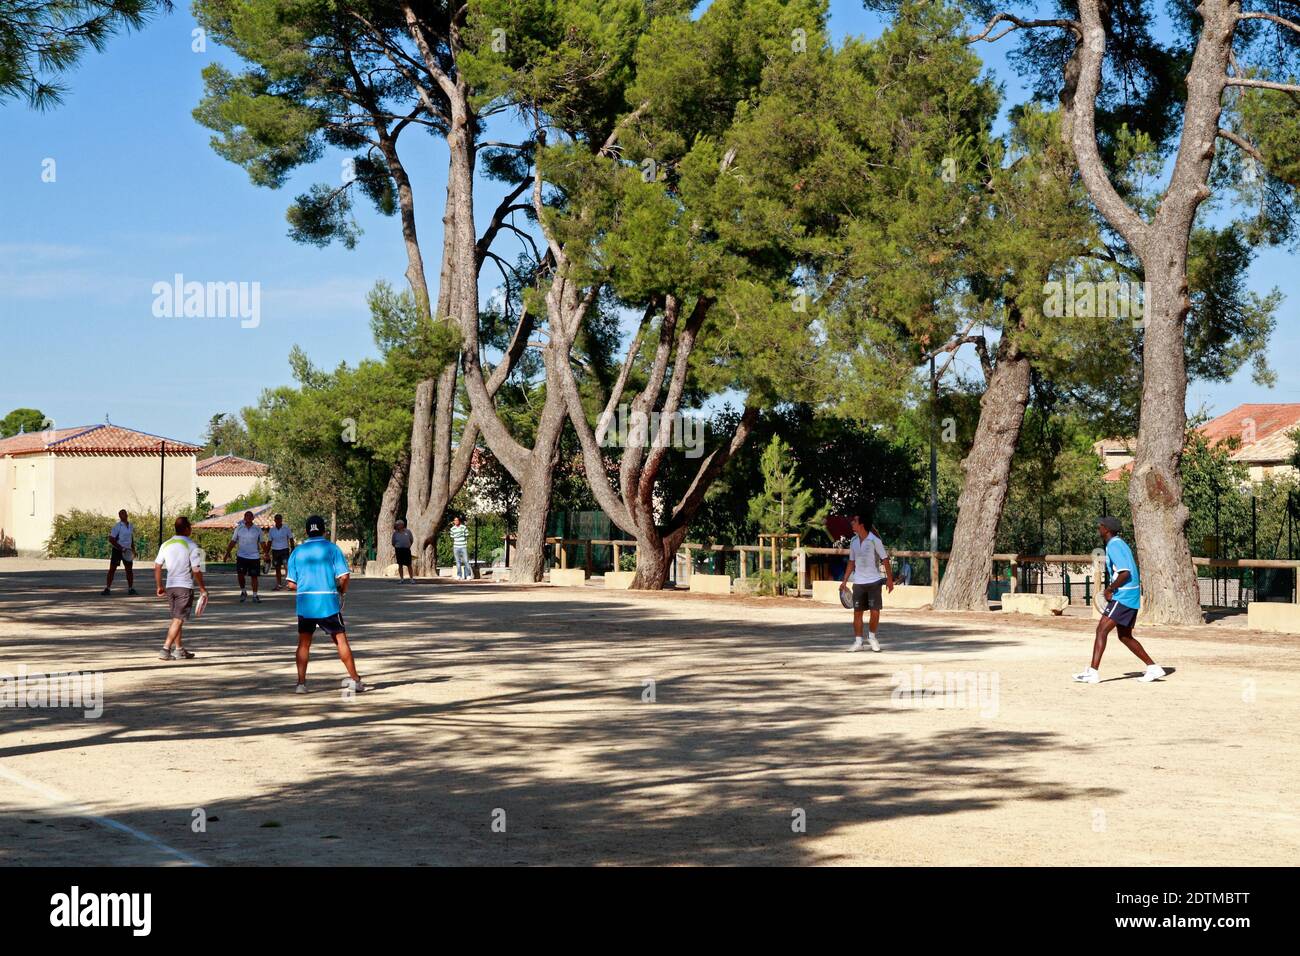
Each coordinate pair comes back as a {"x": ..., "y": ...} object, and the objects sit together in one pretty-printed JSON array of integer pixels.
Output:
[
  {"x": 1110, "y": 523},
  {"x": 315, "y": 526}
]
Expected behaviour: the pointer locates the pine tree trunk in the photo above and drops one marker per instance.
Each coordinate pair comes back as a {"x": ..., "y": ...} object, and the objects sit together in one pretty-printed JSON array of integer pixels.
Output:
[
  {"x": 652, "y": 563},
  {"x": 1170, "y": 594},
  {"x": 389, "y": 508},
  {"x": 987, "y": 469},
  {"x": 656, "y": 553},
  {"x": 1169, "y": 589},
  {"x": 528, "y": 563}
]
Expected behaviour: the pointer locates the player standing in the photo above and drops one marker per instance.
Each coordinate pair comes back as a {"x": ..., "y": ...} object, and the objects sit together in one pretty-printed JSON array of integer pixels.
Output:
[
  {"x": 247, "y": 539},
  {"x": 460, "y": 548},
  {"x": 403, "y": 541},
  {"x": 122, "y": 541},
  {"x": 280, "y": 545},
  {"x": 866, "y": 557},
  {"x": 183, "y": 560},
  {"x": 1123, "y": 598},
  {"x": 319, "y": 573}
]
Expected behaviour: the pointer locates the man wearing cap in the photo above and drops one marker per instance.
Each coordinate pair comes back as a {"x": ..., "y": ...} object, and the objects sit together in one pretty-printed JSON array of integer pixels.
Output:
[
  {"x": 1123, "y": 596},
  {"x": 319, "y": 573}
]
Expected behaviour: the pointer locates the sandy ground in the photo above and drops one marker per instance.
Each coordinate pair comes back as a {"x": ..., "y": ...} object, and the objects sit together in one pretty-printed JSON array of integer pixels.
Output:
[{"x": 529, "y": 706}]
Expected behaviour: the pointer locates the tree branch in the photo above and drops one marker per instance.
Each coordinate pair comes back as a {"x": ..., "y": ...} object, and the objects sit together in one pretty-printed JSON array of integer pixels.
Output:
[
  {"x": 1263, "y": 84},
  {"x": 1242, "y": 143},
  {"x": 1018, "y": 24},
  {"x": 1272, "y": 17}
]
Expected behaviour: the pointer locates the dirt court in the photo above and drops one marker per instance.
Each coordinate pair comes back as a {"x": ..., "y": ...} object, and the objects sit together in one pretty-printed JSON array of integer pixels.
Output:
[{"x": 528, "y": 706}]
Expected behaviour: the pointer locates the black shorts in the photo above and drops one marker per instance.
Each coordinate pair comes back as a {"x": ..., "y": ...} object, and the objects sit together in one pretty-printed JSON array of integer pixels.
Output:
[
  {"x": 403, "y": 557},
  {"x": 331, "y": 625},
  {"x": 1121, "y": 614},
  {"x": 249, "y": 566},
  {"x": 279, "y": 557},
  {"x": 867, "y": 597},
  {"x": 119, "y": 558}
]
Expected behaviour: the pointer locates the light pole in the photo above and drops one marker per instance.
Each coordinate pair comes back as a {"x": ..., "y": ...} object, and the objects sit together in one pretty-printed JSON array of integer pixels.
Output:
[{"x": 162, "y": 474}]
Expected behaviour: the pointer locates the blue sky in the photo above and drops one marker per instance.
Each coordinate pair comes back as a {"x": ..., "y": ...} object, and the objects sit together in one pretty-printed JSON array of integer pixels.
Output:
[{"x": 139, "y": 196}]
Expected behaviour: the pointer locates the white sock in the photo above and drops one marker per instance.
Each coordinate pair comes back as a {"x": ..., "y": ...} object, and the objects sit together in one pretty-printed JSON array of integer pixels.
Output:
[{"x": 873, "y": 635}]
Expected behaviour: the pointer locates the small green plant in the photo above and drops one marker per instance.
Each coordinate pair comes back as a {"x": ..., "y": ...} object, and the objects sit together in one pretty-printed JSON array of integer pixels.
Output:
[{"x": 784, "y": 506}]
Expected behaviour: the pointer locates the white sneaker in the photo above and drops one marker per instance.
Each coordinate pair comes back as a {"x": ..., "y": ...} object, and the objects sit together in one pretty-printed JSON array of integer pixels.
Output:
[
  {"x": 875, "y": 645},
  {"x": 1154, "y": 672},
  {"x": 857, "y": 645},
  {"x": 300, "y": 689},
  {"x": 1088, "y": 675},
  {"x": 243, "y": 596},
  {"x": 355, "y": 686},
  {"x": 256, "y": 599}
]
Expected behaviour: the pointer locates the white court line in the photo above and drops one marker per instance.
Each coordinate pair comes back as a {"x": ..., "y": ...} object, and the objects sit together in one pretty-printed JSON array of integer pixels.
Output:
[{"x": 59, "y": 801}]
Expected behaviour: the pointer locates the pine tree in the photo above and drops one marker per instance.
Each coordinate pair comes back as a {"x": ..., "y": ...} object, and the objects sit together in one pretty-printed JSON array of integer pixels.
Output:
[{"x": 784, "y": 506}]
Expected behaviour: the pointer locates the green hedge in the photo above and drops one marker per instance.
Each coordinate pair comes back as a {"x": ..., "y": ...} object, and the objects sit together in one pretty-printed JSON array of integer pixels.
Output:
[{"x": 84, "y": 534}]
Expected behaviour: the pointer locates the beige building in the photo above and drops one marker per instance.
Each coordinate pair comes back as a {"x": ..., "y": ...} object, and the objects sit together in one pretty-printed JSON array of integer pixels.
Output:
[
  {"x": 96, "y": 468},
  {"x": 227, "y": 477}
]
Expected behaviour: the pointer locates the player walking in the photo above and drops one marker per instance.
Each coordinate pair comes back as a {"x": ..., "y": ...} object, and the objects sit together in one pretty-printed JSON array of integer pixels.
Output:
[
  {"x": 1123, "y": 598},
  {"x": 319, "y": 573},
  {"x": 866, "y": 557},
  {"x": 247, "y": 539},
  {"x": 183, "y": 560},
  {"x": 280, "y": 545}
]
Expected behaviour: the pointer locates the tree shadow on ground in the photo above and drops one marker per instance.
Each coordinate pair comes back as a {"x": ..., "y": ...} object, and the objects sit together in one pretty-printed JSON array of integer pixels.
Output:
[{"x": 543, "y": 721}]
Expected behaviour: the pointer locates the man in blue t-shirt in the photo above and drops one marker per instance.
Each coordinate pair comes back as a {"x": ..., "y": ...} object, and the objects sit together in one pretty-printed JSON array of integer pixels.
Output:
[
  {"x": 1123, "y": 597},
  {"x": 319, "y": 573}
]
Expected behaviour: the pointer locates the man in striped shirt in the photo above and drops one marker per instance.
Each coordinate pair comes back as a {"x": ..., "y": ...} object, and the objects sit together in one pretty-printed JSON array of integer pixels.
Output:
[{"x": 460, "y": 548}]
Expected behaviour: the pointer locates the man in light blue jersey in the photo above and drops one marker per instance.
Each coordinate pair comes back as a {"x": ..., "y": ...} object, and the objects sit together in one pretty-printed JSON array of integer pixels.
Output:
[
  {"x": 319, "y": 573},
  {"x": 1123, "y": 597}
]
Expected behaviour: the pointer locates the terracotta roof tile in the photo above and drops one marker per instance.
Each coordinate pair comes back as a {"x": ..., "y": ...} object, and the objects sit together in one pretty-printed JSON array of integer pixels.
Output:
[
  {"x": 1265, "y": 420},
  {"x": 263, "y": 517},
  {"x": 93, "y": 440},
  {"x": 1261, "y": 428},
  {"x": 230, "y": 466}
]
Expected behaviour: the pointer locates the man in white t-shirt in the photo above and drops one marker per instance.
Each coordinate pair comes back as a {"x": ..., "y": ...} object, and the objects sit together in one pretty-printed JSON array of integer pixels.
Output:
[
  {"x": 279, "y": 547},
  {"x": 122, "y": 540},
  {"x": 866, "y": 558},
  {"x": 183, "y": 560},
  {"x": 247, "y": 538}
]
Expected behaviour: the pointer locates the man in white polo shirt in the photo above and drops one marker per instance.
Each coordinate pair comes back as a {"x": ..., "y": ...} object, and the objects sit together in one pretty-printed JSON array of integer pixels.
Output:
[
  {"x": 280, "y": 547},
  {"x": 183, "y": 560},
  {"x": 247, "y": 538},
  {"x": 866, "y": 557},
  {"x": 122, "y": 540}
]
